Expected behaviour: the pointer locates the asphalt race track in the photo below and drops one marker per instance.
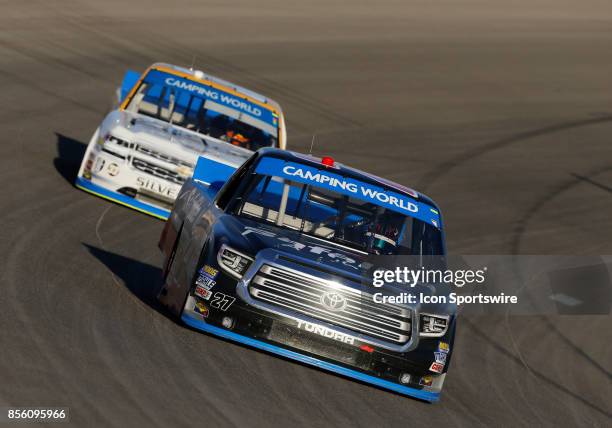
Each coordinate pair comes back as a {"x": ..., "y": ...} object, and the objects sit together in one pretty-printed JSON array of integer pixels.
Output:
[{"x": 501, "y": 111}]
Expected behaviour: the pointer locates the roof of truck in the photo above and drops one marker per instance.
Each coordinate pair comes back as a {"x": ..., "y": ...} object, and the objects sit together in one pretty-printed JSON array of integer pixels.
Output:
[
  {"x": 202, "y": 77},
  {"x": 345, "y": 170}
]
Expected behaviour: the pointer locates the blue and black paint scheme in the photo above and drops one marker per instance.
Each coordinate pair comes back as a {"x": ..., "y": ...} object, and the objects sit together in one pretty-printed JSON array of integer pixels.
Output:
[{"x": 281, "y": 299}]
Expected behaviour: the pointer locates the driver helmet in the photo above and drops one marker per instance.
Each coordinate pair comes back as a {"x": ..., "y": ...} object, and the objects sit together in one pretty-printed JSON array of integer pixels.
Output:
[
  {"x": 385, "y": 240},
  {"x": 237, "y": 139},
  {"x": 385, "y": 234}
]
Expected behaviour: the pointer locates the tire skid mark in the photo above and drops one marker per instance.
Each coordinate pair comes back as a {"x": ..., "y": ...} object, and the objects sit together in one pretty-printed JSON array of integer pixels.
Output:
[
  {"x": 144, "y": 411},
  {"x": 216, "y": 67},
  {"x": 215, "y": 63},
  {"x": 520, "y": 230},
  {"x": 40, "y": 56},
  {"x": 179, "y": 336},
  {"x": 550, "y": 194},
  {"x": 295, "y": 97},
  {"x": 29, "y": 84},
  {"x": 447, "y": 166},
  {"x": 551, "y": 382},
  {"x": 163, "y": 48},
  {"x": 21, "y": 251},
  {"x": 74, "y": 20},
  {"x": 289, "y": 95}
]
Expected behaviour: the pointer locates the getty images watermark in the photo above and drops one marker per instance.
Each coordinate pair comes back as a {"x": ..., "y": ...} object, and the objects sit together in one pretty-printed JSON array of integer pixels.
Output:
[
  {"x": 490, "y": 284},
  {"x": 404, "y": 276}
]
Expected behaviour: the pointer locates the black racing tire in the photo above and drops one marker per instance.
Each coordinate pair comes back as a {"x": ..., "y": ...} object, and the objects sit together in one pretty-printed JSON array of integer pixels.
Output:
[{"x": 172, "y": 254}]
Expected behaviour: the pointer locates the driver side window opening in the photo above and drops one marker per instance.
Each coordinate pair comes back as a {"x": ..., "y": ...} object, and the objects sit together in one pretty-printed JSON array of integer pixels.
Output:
[{"x": 233, "y": 186}]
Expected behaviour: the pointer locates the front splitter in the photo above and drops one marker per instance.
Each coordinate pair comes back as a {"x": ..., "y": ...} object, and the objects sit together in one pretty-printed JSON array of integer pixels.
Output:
[
  {"x": 124, "y": 200},
  {"x": 230, "y": 335}
]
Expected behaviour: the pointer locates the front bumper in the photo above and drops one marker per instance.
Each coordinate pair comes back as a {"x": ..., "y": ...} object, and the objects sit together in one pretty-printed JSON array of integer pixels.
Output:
[
  {"x": 193, "y": 321},
  {"x": 122, "y": 199},
  {"x": 115, "y": 178},
  {"x": 278, "y": 335},
  {"x": 416, "y": 368}
]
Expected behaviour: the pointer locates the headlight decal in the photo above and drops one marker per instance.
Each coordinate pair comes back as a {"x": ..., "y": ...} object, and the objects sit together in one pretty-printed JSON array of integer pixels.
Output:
[
  {"x": 432, "y": 325},
  {"x": 233, "y": 262}
]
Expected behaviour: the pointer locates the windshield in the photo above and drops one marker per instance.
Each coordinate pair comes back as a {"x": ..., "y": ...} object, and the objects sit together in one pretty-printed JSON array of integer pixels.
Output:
[
  {"x": 335, "y": 216},
  {"x": 206, "y": 110}
]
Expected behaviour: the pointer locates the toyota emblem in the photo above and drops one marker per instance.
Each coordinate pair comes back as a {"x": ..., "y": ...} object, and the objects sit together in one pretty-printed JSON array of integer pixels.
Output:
[{"x": 333, "y": 301}]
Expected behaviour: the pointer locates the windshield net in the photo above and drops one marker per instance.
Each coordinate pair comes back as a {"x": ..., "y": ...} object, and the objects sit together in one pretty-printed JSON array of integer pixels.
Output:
[
  {"x": 206, "y": 110},
  {"x": 336, "y": 217}
]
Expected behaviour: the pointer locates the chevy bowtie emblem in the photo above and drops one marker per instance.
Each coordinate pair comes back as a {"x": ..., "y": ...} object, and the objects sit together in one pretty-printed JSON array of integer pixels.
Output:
[
  {"x": 185, "y": 171},
  {"x": 333, "y": 301}
]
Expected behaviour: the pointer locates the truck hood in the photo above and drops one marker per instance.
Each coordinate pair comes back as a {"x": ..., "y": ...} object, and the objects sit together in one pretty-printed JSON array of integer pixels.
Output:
[
  {"x": 252, "y": 237},
  {"x": 173, "y": 140}
]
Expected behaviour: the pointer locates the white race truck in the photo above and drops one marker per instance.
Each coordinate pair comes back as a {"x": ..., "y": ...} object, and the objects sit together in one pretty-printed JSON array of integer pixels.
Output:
[{"x": 167, "y": 117}]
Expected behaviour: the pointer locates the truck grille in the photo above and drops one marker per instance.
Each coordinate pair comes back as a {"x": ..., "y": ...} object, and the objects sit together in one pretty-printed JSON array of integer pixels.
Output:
[
  {"x": 162, "y": 156},
  {"x": 157, "y": 171},
  {"x": 309, "y": 295}
]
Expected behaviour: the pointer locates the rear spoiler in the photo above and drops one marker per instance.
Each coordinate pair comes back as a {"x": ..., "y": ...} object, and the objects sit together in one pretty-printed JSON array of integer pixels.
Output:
[{"x": 209, "y": 171}]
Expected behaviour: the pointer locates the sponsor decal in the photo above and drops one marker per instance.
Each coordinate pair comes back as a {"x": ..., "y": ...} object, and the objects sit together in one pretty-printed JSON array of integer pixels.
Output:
[
  {"x": 202, "y": 292},
  {"x": 113, "y": 169},
  {"x": 201, "y": 309},
  {"x": 426, "y": 380},
  {"x": 340, "y": 183},
  {"x": 443, "y": 347},
  {"x": 314, "y": 249},
  {"x": 368, "y": 192},
  {"x": 205, "y": 282},
  {"x": 157, "y": 187},
  {"x": 99, "y": 164},
  {"x": 215, "y": 95},
  {"x": 222, "y": 301},
  {"x": 208, "y": 92},
  {"x": 325, "y": 332},
  {"x": 210, "y": 271},
  {"x": 405, "y": 378},
  {"x": 333, "y": 301},
  {"x": 436, "y": 367},
  {"x": 440, "y": 357}
]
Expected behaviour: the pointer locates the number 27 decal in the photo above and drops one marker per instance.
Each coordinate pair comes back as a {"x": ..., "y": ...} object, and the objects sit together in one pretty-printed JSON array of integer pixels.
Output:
[{"x": 221, "y": 301}]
